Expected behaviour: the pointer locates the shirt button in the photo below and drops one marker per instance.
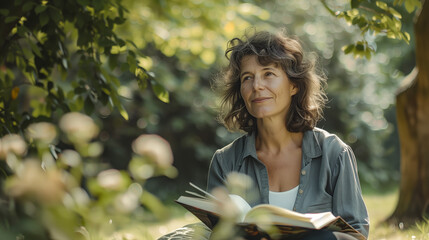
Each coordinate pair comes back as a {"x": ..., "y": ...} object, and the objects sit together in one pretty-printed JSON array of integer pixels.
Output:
[
  {"x": 303, "y": 172},
  {"x": 301, "y": 191}
]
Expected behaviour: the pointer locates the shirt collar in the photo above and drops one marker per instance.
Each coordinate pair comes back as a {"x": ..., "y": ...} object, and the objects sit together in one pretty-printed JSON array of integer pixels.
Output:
[
  {"x": 249, "y": 146},
  {"x": 310, "y": 145}
]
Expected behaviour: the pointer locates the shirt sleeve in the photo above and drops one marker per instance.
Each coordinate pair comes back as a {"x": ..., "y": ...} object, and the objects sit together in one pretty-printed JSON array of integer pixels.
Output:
[
  {"x": 216, "y": 174},
  {"x": 347, "y": 198}
]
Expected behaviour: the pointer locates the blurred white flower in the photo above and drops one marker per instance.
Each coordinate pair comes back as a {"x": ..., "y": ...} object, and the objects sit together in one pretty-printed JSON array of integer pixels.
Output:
[
  {"x": 238, "y": 182},
  {"x": 32, "y": 182},
  {"x": 154, "y": 147},
  {"x": 12, "y": 143},
  {"x": 110, "y": 179},
  {"x": 70, "y": 158},
  {"x": 140, "y": 169},
  {"x": 48, "y": 161},
  {"x": 13, "y": 162},
  {"x": 42, "y": 132},
  {"x": 126, "y": 202},
  {"x": 95, "y": 149},
  {"x": 80, "y": 196},
  {"x": 129, "y": 201},
  {"x": 135, "y": 189},
  {"x": 225, "y": 204},
  {"x": 70, "y": 181},
  {"x": 78, "y": 127}
]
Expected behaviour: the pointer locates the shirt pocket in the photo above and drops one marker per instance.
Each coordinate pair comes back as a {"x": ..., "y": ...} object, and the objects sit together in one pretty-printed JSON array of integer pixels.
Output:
[{"x": 323, "y": 204}]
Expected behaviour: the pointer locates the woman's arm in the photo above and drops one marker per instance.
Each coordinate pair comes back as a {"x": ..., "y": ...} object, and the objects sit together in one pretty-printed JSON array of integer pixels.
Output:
[
  {"x": 216, "y": 174},
  {"x": 347, "y": 198}
]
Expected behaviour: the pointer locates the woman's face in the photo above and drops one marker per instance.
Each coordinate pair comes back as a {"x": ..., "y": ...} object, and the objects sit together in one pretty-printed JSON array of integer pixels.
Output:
[{"x": 266, "y": 90}]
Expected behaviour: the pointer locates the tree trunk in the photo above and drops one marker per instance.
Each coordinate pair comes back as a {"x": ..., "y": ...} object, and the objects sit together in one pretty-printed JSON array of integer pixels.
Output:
[{"x": 412, "y": 109}]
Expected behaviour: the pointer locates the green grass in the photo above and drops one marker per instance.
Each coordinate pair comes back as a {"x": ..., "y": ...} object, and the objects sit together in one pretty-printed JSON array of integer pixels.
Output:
[{"x": 380, "y": 206}]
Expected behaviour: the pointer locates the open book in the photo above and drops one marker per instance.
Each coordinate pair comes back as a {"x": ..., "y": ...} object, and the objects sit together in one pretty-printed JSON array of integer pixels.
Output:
[{"x": 254, "y": 221}]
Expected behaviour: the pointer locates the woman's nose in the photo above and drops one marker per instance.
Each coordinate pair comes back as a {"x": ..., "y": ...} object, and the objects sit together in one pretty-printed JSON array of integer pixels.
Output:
[{"x": 258, "y": 83}]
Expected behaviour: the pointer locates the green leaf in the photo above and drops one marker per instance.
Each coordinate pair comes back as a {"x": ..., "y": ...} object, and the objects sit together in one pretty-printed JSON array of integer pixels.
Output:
[
  {"x": 35, "y": 48},
  {"x": 411, "y": 5},
  {"x": 88, "y": 106},
  {"x": 123, "y": 112},
  {"x": 83, "y": 3},
  {"x": 44, "y": 19},
  {"x": 11, "y": 19},
  {"x": 382, "y": 5},
  {"x": 133, "y": 44},
  {"x": 359, "y": 47},
  {"x": 132, "y": 62},
  {"x": 55, "y": 14},
  {"x": 70, "y": 94},
  {"x": 28, "y": 6},
  {"x": 113, "y": 61},
  {"x": 368, "y": 55},
  {"x": 4, "y": 12},
  {"x": 396, "y": 2},
  {"x": 160, "y": 92},
  {"x": 348, "y": 49},
  {"x": 141, "y": 78},
  {"x": 119, "y": 105},
  {"x": 105, "y": 90},
  {"x": 362, "y": 22},
  {"x": 395, "y": 13},
  {"x": 118, "y": 49},
  {"x": 77, "y": 104},
  {"x": 40, "y": 8},
  {"x": 406, "y": 37},
  {"x": 60, "y": 94}
]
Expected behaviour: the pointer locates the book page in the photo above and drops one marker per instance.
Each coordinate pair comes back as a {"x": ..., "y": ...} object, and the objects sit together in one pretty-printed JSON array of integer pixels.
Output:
[
  {"x": 241, "y": 205},
  {"x": 274, "y": 210},
  {"x": 207, "y": 194},
  {"x": 203, "y": 204},
  {"x": 265, "y": 213}
]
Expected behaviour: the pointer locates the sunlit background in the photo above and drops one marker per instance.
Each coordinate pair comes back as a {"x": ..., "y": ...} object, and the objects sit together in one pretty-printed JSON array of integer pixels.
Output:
[
  {"x": 187, "y": 53},
  {"x": 182, "y": 45}
]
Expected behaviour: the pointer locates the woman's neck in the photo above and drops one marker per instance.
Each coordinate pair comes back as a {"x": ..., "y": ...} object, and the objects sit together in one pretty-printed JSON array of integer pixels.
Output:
[{"x": 273, "y": 136}]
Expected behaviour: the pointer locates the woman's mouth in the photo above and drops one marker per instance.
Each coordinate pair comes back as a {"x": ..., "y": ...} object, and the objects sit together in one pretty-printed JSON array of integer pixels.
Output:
[{"x": 260, "y": 99}]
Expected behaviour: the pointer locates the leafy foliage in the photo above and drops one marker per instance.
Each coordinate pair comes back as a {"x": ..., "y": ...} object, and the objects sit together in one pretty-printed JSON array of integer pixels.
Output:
[
  {"x": 61, "y": 56},
  {"x": 374, "y": 17},
  {"x": 71, "y": 194}
]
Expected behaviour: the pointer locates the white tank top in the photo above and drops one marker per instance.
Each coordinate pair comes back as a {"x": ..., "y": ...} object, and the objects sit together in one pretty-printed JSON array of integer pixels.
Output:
[{"x": 284, "y": 199}]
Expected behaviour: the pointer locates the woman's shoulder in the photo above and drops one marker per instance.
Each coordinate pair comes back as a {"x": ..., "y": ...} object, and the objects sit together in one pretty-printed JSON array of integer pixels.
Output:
[
  {"x": 329, "y": 141},
  {"x": 231, "y": 155},
  {"x": 236, "y": 145}
]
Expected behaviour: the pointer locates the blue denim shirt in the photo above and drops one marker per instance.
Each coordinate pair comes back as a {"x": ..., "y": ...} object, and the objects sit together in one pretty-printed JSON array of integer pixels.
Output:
[{"x": 328, "y": 181}]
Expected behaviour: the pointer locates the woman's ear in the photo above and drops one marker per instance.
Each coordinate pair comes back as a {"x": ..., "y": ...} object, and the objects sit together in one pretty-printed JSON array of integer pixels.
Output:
[{"x": 294, "y": 89}]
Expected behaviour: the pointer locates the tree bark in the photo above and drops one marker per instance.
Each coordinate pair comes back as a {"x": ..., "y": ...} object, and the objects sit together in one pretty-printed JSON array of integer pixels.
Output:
[{"x": 412, "y": 109}]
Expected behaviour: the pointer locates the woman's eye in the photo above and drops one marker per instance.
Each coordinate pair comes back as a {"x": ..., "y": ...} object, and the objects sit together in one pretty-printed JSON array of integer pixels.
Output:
[
  {"x": 245, "y": 78},
  {"x": 269, "y": 74}
]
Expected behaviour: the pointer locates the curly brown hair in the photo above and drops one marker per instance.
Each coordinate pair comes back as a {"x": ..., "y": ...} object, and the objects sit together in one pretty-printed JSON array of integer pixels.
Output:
[{"x": 307, "y": 105}]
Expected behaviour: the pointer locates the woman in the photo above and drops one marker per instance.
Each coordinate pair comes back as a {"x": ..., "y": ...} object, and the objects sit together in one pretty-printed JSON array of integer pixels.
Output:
[{"x": 273, "y": 93}]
